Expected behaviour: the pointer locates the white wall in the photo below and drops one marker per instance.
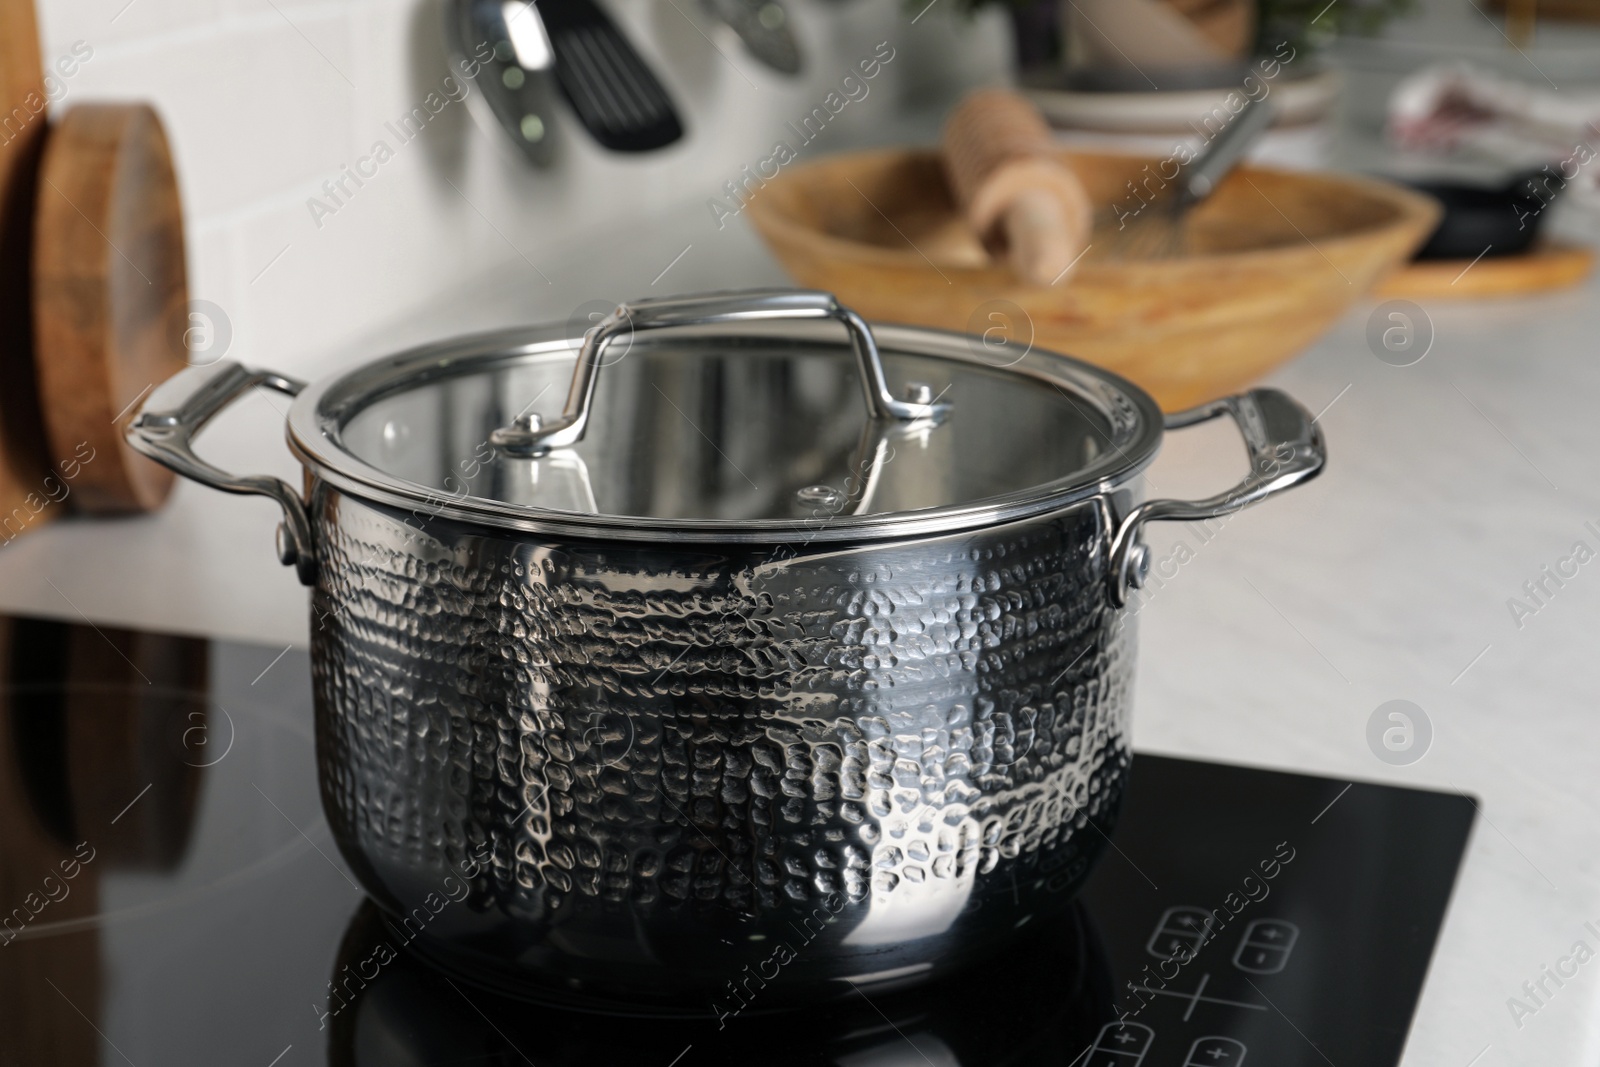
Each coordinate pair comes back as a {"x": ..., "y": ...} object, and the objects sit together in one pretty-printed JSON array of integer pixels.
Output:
[{"x": 264, "y": 100}]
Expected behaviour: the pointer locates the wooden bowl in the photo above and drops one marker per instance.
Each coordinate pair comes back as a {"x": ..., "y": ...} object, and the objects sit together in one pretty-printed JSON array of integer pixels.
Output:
[{"x": 1272, "y": 259}]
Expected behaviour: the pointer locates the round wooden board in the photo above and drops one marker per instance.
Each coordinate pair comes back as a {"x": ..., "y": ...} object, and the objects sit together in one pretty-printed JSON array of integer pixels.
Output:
[
  {"x": 110, "y": 296},
  {"x": 23, "y": 496},
  {"x": 1551, "y": 265}
]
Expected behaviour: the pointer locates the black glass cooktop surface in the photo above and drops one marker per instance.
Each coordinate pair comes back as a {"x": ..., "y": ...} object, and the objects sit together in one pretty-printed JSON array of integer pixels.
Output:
[{"x": 169, "y": 895}]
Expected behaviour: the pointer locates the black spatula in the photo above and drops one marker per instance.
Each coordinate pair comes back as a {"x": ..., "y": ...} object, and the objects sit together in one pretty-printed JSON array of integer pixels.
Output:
[{"x": 615, "y": 95}]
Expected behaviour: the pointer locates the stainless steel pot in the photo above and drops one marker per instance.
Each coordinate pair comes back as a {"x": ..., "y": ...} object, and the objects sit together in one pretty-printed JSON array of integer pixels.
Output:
[{"x": 746, "y": 679}]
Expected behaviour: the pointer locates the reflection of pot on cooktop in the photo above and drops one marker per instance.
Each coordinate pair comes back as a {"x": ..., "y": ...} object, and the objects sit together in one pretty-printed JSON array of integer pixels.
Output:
[{"x": 1044, "y": 1004}]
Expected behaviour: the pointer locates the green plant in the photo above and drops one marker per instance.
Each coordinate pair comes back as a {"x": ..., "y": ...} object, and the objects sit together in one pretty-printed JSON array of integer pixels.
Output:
[
  {"x": 1308, "y": 25},
  {"x": 967, "y": 7}
]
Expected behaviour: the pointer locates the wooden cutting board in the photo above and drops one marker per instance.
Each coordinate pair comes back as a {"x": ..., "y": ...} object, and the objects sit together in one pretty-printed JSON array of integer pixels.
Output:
[
  {"x": 110, "y": 295},
  {"x": 1548, "y": 266},
  {"x": 22, "y": 462}
]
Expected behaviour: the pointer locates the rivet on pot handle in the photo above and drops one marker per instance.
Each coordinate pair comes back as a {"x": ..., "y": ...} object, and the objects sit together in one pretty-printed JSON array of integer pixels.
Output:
[
  {"x": 1285, "y": 447},
  {"x": 180, "y": 407},
  {"x": 531, "y": 436}
]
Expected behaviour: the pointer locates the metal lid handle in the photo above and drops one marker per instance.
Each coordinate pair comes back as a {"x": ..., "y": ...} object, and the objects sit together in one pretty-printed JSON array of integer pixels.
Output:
[
  {"x": 529, "y": 436},
  {"x": 179, "y": 409},
  {"x": 1285, "y": 446}
]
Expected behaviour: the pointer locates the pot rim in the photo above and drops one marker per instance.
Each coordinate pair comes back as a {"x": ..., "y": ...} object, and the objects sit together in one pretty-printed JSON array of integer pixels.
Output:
[{"x": 316, "y": 420}]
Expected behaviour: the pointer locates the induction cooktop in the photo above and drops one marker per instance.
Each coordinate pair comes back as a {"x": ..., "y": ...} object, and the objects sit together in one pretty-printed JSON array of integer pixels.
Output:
[{"x": 169, "y": 895}]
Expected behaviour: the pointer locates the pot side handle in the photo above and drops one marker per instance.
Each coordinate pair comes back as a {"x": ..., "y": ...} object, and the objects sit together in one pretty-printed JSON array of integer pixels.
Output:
[
  {"x": 175, "y": 413},
  {"x": 1285, "y": 446}
]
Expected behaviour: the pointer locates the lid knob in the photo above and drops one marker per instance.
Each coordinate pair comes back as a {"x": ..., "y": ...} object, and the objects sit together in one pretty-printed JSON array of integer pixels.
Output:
[{"x": 825, "y": 497}]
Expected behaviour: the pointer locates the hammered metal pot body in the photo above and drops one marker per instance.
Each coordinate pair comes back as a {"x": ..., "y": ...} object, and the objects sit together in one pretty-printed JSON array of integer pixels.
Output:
[
  {"x": 716, "y": 778},
  {"x": 792, "y": 662}
]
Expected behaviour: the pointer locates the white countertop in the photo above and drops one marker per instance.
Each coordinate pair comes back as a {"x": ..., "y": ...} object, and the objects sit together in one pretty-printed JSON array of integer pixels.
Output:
[{"x": 1451, "y": 483}]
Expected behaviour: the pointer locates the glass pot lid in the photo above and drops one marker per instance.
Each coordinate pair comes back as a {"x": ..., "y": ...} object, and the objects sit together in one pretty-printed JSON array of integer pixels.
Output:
[{"x": 750, "y": 416}]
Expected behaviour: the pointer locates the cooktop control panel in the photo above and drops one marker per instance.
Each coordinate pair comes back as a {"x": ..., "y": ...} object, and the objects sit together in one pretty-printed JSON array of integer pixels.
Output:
[{"x": 1253, "y": 916}]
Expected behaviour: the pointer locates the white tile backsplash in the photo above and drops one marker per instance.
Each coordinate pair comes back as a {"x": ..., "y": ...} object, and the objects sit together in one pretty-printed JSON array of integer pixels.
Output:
[
  {"x": 266, "y": 100},
  {"x": 108, "y": 22},
  {"x": 250, "y": 109}
]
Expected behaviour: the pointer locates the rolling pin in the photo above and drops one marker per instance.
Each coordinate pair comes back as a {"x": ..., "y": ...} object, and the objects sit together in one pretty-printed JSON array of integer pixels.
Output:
[{"x": 1015, "y": 191}]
